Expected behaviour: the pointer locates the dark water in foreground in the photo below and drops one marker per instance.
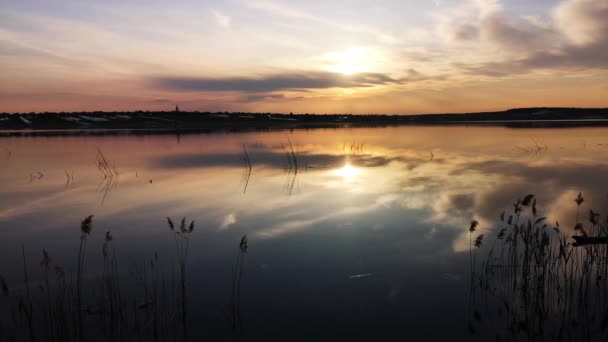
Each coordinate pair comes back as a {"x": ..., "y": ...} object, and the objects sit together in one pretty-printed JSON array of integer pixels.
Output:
[{"x": 357, "y": 234}]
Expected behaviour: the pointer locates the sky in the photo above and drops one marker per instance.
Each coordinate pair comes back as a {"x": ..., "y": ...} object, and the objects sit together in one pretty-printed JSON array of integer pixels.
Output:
[{"x": 315, "y": 56}]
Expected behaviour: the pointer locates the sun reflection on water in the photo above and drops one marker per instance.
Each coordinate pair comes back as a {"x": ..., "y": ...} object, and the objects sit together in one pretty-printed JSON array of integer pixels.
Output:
[{"x": 348, "y": 171}]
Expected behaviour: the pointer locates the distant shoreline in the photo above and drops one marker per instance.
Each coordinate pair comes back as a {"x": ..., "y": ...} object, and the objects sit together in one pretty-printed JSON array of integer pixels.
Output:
[{"x": 140, "y": 122}]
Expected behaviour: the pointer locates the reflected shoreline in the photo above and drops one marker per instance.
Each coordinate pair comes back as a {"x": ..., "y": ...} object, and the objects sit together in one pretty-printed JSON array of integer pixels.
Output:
[{"x": 227, "y": 129}]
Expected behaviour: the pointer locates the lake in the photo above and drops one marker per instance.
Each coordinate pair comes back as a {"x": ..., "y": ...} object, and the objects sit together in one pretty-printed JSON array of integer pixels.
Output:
[{"x": 352, "y": 233}]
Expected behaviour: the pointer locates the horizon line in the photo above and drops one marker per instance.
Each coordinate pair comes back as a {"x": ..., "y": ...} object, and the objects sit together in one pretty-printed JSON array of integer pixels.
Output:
[{"x": 292, "y": 113}]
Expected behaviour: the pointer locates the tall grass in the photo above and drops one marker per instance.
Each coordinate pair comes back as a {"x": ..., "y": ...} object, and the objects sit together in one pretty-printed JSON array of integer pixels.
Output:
[
  {"x": 80, "y": 306},
  {"x": 85, "y": 228},
  {"x": 544, "y": 283},
  {"x": 353, "y": 147},
  {"x": 109, "y": 175},
  {"x": 295, "y": 164},
  {"x": 182, "y": 243},
  {"x": 531, "y": 151},
  {"x": 69, "y": 177},
  {"x": 237, "y": 276},
  {"x": 26, "y": 305},
  {"x": 247, "y": 169},
  {"x": 110, "y": 298}
]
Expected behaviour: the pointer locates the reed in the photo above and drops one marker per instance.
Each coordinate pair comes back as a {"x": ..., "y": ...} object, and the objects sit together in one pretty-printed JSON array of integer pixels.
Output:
[
  {"x": 182, "y": 242},
  {"x": 247, "y": 169},
  {"x": 472, "y": 228},
  {"x": 69, "y": 175},
  {"x": 237, "y": 275},
  {"x": 45, "y": 264},
  {"x": 111, "y": 300},
  {"x": 26, "y": 306},
  {"x": 292, "y": 155},
  {"x": 69, "y": 303},
  {"x": 353, "y": 147},
  {"x": 549, "y": 285},
  {"x": 295, "y": 164},
  {"x": 532, "y": 150},
  {"x": 109, "y": 175},
  {"x": 85, "y": 228}
]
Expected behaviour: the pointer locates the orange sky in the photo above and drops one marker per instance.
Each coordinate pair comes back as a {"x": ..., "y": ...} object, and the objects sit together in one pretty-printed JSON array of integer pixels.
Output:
[{"x": 291, "y": 56}]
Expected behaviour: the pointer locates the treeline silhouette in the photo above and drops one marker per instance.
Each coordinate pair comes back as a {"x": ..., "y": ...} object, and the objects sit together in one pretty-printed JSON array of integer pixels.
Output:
[{"x": 181, "y": 120}]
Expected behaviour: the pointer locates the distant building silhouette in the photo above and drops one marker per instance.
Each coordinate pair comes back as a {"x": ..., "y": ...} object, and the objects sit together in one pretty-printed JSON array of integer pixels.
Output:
[{"x": 176, "y": 108}]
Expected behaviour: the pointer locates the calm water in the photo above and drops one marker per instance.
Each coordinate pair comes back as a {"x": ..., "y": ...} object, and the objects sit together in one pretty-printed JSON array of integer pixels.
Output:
[{"x": 368, "y": 239}]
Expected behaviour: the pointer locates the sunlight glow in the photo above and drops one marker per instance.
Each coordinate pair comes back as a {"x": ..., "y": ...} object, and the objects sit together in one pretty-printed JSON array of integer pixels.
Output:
[
  {"x": 348, "y": 171},
  {"x": 349, "y": 62}
]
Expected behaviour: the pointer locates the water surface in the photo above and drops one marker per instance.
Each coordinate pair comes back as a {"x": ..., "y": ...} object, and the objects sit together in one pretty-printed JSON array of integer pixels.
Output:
[{"x": 355, "y": 233}]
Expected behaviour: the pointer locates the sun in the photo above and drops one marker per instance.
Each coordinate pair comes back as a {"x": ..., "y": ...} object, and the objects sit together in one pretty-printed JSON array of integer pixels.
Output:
[{"x": 349, "y": 62}]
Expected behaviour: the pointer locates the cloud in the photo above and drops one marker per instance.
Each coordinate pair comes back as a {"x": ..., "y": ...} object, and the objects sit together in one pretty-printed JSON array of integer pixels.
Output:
[
  {"x": 221, "y": 19},
  {"x": 297, "y": 225},
  {"x": 464, "y": 32},
  {"x": 584, "y": 22},
  {"x": 228, "y": 221},
  {"x": 160, "y": 101},
  {"x": 268, "y": 97},
  {"x": 274, "y": 160},
  {"x": 484, "y": 22},
  {"x": 515, "y": 36},
  {"x": 12, "y": 46},
  {"x": 295, "y": 13},
  {"x": 488, "y": 7},
  {"x": 274, "y": 82},
  {"x": 576, "y": 38},
  {"x": 571, "y": 57}
]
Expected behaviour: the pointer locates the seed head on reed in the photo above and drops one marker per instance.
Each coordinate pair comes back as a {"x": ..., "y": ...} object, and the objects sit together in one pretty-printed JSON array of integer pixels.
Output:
[
  {"x": 527, "y": 201},
  {"x": 182, "y": 242},
  {"x": 501, "y": 234},
  {"x": 517, "y": 207},
  {"x": 243, "y": 244},
  {"x": 87, "y": 225},
  {"x": 46, "y": 259},
  {"x": 579, "y": 199},
  {"x": 473, "y": 226},
  {"x": 182, "y": 226},
  {"x": 479, "y": 241},
  {"x": 105, "y": 247}
]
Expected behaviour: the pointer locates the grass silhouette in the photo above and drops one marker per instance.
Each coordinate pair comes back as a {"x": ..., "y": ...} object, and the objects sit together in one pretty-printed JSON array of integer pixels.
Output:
[{"x": 544, "y": 284}]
